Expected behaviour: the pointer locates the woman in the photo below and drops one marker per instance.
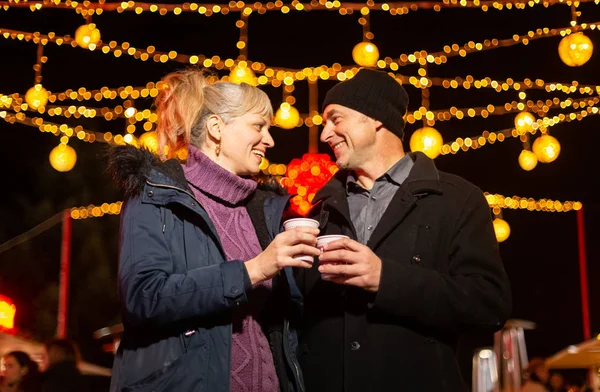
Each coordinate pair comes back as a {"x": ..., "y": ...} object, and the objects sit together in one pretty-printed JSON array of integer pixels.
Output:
[
  {"x": 537, "y": 376},
  {"x": 204, "y": 306},
  {"x": 20, "y": 373}
]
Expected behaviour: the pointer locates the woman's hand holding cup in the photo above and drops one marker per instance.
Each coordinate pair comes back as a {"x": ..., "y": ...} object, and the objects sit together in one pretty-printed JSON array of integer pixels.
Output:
[{"x": 295, "y": 247}]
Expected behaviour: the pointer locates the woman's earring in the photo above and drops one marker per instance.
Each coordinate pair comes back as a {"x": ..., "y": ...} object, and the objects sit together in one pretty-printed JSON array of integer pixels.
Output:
[{"x": 218, "y": 148}]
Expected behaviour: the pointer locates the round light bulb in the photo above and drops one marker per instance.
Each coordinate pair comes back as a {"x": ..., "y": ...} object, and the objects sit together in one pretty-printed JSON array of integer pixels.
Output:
[
  {"x": 427, "y": 140},
  {"x": 502, "y": 229},
  {"x": 365, "y": 54},
  {"x": 524, "y": 122},
  {"x": 287, "y": 116},
  {"x": 87, "y": 36},
  {"x": 149, "y": 141},
  {"x": 527, "y": 160},
  {"x": 546, "y": 148},
  {"x": 63, "y": 158},
  {"x": 36, "y": 97},
  {"x": 575, "y": 49},
  {"x": 242, "y": 74}
]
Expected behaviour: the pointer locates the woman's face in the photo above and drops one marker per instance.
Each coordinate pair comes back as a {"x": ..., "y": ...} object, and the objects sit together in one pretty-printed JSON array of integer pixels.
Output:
[
  {"x": 244, "y": 142},
  {"x": 12, "y": 370}
]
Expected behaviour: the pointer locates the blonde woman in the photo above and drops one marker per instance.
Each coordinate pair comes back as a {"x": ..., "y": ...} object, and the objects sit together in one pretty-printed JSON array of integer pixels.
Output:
[{"x": 206, "y": 285}]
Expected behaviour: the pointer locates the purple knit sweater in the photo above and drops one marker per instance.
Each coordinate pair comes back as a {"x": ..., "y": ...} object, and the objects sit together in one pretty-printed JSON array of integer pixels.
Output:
[{"x": 224, "y": 196}]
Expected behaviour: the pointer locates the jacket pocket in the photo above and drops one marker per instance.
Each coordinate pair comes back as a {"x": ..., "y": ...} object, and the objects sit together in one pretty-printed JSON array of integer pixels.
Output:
[
  {"x": 423, "y": 252},
  {"x": 159, "y": 380}
]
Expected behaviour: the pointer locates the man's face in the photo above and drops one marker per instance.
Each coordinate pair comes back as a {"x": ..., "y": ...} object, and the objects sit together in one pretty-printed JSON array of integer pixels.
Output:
[{"x": 350, "y": 134}]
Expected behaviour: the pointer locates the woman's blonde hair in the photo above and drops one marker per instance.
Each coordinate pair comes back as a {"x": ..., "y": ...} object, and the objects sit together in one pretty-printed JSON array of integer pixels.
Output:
[{"x": 186, "y": 100}]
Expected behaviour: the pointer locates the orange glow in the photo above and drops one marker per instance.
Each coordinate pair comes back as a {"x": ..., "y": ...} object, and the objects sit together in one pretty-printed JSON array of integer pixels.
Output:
[{"x": 7, "y": 313}]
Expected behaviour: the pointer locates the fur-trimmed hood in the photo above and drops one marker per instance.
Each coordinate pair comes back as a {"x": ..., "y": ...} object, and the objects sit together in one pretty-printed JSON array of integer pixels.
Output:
[{"x": 130, "y": 167}]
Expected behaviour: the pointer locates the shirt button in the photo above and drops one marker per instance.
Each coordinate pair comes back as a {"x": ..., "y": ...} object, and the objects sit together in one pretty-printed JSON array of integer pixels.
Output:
[
  {"x": 150, "y": 193},
  {"x": 416, "y": 259},
  {"x": 354, "y": 346},
  {"x": 369, "y": 227}
]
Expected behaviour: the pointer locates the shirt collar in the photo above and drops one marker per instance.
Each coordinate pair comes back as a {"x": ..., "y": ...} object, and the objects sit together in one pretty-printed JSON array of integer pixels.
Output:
[{"x": 395, "y": 175}]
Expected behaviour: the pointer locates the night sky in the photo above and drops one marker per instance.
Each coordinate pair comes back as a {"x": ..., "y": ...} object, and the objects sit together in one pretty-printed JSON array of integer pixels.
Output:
[{"x": 541, "y": 255}]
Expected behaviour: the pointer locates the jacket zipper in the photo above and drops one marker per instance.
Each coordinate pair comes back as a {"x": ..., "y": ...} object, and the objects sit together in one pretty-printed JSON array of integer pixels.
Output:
[
  {"x": 286, "y": 331},
  {"x": 174, "y": 187},
  {"x": 197, "y": 202}
]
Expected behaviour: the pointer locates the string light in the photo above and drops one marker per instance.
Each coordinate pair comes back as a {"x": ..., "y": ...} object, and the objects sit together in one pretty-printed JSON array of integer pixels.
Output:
[
  {"x": 423, "y": 57},
  {"x": 498, "y": 202},
  {"x": 323, "y": 72},
  {"x": 540, "y": 107},
  {"x": 395, "y": 8},
  {"x": 61, "y": 129},
  {"x": 471, "y": 143},
  {"x": 275, "y": 76},
  {"x": 93, "y": 211}
]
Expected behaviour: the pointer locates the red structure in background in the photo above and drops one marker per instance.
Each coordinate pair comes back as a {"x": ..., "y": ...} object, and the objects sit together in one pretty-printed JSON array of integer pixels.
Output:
[
  {"x": 305, "y": 177},
  {"x": 583, "y": 279},
  {"x": 7, "y": 314},
  {"x": 65, "y": 258}
]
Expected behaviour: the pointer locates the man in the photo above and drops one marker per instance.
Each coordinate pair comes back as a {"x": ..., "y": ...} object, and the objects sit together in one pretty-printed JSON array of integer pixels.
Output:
[
  {"x": 62, "y": 373},
  {"x": 421, "y": 266}
]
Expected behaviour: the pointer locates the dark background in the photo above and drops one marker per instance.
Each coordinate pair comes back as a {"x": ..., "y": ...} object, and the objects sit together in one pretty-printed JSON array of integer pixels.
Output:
[{"x": 541, "y": 255}]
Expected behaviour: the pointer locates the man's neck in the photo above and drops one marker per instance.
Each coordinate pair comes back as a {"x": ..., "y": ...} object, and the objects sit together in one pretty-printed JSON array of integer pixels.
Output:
[{"x": 378, "y": 166}]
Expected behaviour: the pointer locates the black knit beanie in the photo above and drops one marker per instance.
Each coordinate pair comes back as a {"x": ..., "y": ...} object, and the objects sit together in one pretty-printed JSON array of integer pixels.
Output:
[{"x": 375, "y": 94}]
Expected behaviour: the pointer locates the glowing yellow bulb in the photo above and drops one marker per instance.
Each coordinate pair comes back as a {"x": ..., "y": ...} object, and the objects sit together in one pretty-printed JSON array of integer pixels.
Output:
[
  {"x": 287, "y": 116},
  {"x": 502, "y": 229},
  {"x": 149, "y": 141},
  {"x": 365, "y": 54},
  {"x": 546, "y": 148},
  {"x": 36, "y": 97},
  {"x": 524, "y": 122},
  {"x": 130, "y": 139},
  {"x": 527, "y": 160},
  {"x": 63, "y": 158},
  {"x": 130, "y": 112},
  {"x": 87, "y": 36},
  {"x": 427, "y": 140},
  {"x": 242, "y": 74},
  {"x": 264, "y": 164},
  {"x": 575, "y": 49}
]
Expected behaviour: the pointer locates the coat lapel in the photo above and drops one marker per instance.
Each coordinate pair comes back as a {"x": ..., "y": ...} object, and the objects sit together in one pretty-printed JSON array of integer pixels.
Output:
[
  {"x": 401, "y": 204},
  {"x": 332, "y": 197}
]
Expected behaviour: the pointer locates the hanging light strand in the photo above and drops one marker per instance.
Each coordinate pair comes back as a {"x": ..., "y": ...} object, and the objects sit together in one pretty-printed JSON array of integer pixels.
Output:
[
  {"x": 497, "y": 201},
  {"x": 209, "y": 9},
  {"x": 539, "y": 107},
  {"x": 472, "y": 143},
  {"x": 323, "y": 72},
  {"x": 54, "y": 128}
]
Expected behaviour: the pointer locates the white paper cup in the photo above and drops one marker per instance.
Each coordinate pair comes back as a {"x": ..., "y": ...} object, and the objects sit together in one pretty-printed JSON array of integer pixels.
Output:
[
  {"x": 301, "y": 222},
  {"x": 325, "y": 239}
]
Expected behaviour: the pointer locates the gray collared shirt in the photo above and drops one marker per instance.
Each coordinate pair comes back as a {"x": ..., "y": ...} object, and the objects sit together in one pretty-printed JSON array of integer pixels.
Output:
[{"x": 367, "y": 206}]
